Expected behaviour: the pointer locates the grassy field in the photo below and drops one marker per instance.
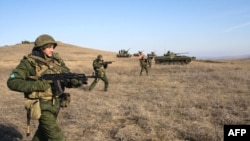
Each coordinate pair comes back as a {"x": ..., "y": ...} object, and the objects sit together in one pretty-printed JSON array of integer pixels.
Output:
[{"x": 174, "y": 103}]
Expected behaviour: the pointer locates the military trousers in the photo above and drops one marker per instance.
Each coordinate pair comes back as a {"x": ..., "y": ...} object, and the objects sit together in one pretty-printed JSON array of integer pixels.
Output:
[
  {"x": 144, "y": 68},
  {"x": 104, "y": 79},
  {"x": 48, "y": 129}
]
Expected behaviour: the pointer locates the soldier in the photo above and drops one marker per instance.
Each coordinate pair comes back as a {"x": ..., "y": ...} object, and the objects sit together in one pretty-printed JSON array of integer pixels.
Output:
[
  {"x": 149, "y": 60},
  {"x": 25, "y": 78},
  {"x": 140, "y": 55},
  {"x": 99, "y": 69},
  {"x": 143, "y": 64}
]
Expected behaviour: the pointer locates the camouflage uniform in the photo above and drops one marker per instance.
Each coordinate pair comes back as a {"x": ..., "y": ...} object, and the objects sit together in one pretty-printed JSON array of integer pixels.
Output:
[
  {"x": 143, "y": 64},
  {"x": 22, "y": 80},
  {"x": 149, "y": 59},
  {"x": 99, "y": 69}
]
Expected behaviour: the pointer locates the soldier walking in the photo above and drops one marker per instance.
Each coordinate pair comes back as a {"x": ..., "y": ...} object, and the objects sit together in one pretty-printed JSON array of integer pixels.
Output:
[
  {"x": 143, "y": 63},
  {"x": 25, "y": 78},
  {"x": 149, "y": 60},
  {"x": 99, "y": 68}
]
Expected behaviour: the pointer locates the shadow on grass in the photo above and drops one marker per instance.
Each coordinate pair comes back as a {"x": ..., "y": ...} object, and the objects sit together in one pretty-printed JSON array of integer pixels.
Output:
[{"x": 9, "y": 132}]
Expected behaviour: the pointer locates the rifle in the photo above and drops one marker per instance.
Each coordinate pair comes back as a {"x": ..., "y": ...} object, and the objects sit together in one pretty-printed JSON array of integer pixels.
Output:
[
  {"x": 65, "y": 80},
  {"x": 107, "y": 62}
]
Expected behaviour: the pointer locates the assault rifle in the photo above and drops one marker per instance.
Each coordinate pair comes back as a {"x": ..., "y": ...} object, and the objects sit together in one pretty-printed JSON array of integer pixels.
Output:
[
  {"x": 107, "y": 62},
  {"x": 65, "y": 80}
]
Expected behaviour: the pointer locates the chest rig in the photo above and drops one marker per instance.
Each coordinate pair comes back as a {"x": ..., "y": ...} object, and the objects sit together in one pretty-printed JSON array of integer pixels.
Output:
[{"x": 43, "y": 66}]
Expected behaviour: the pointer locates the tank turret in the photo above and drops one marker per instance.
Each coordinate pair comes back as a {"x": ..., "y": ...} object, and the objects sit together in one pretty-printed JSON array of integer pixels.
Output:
[
  {"x": 123, "y": 53},
  {"x": 151, "y": 55}
]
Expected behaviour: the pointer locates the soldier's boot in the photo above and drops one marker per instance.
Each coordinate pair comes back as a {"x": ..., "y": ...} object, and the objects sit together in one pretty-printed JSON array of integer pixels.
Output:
[
  {"x": 105, "y": 89},
  {"x": 106, "y": 85},
  {"x": 91, "y": 87}
]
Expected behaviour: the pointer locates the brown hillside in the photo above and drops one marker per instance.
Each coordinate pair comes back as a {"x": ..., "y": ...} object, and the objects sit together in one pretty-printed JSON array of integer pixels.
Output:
[
  {"x": 175, "y": 102},
  {"x": 67, "y": 51}
]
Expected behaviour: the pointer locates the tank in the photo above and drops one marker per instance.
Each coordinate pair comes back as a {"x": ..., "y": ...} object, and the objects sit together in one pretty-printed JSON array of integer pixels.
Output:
[
  {"x": 173, "y": 58},
  {"x": 123, "y": 53},
  {"x": 151, "y": 55},
  {"x": 137, "y": 54}
]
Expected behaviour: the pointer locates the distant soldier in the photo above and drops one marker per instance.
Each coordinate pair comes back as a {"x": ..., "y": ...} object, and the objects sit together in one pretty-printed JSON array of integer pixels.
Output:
[
  {"x": 143, "y": 64},
  {"x": 149, "y": 60},
  {"x": 99, "y": 68},
  {"x": 140, "y": 55}
]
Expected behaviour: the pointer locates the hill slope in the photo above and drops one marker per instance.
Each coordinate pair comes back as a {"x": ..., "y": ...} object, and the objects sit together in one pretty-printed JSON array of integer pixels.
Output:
[{"x": 186, "y": 102}]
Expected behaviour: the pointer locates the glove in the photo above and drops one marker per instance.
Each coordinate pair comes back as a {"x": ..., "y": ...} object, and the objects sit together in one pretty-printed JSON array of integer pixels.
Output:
[
  {"x": 76, "y": 83},
  {"x": 41, "y": 85}
]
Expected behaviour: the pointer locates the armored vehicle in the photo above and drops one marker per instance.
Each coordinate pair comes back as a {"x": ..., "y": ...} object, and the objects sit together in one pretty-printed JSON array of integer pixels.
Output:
[
  {"x": 123, "y": 53},
  {"x": 151, "y": 55},
  {"x": 172, "y": 58},
  {"x": 137, "y": 54}
]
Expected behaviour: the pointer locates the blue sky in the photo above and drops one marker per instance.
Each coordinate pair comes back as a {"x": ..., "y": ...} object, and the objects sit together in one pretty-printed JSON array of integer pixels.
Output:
[{"x": 203, "y": 28}]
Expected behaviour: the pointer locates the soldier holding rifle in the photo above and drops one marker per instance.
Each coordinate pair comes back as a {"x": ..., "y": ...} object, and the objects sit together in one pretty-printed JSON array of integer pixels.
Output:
[
  {"x": 143, "y": 63},
  {"x": 99, "y": 67},
  {"x": 41, "y": 93}
]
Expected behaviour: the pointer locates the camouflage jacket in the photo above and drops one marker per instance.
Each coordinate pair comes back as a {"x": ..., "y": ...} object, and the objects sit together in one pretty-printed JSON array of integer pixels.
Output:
[
  {"x": 143, "y": 62},
  {"x": 98, "y": 66},
  {"x": 20, "y": 78}
]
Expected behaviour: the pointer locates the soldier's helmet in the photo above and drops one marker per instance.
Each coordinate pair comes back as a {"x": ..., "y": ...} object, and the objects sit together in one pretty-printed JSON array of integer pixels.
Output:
[
  {"x": 99, "y": 57},
  {"x": 43, "y": 40}
]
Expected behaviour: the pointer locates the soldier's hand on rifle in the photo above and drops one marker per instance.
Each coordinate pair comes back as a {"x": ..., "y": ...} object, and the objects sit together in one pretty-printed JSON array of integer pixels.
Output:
[
  {"x": 41, "y": 85},
  {"x": 76, "y": 83},
  {"x": 105, "y": 66}
]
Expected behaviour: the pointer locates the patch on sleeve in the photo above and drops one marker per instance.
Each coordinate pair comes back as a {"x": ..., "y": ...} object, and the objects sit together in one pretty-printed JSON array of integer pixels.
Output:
[{"x": 12, "y": 76}]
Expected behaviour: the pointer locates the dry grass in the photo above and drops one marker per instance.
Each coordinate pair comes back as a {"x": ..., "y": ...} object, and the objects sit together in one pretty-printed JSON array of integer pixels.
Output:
[{"x": 190, "y": 102}]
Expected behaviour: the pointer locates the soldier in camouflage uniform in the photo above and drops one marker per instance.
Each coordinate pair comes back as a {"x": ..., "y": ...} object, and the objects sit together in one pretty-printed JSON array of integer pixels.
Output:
[
  {"x": 149, "y": 59},
  {"x": 25, "y": 78},
  {"x": 99, "y": 69},
  {"x": 143, "y": 64}
]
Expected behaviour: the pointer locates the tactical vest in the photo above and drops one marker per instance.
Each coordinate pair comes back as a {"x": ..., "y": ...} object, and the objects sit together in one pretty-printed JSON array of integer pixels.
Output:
[
  {"x": 43, "y": 66},
  {"x": 99, "y": 71}
]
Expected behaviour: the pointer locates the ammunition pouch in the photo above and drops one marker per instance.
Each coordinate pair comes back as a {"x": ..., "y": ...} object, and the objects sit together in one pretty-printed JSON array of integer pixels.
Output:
[
  {"x": 33, "y": 109},
  {"x": 100, "y": 73},
  {"x": 37, "y": 95},
  {"x": 64, "y": 100}
]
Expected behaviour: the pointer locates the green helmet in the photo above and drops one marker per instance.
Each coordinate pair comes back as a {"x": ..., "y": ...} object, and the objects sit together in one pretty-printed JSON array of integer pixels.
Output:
[
  {"x": 43, "y": 40},
  {"x": 99, "y": 57}
]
